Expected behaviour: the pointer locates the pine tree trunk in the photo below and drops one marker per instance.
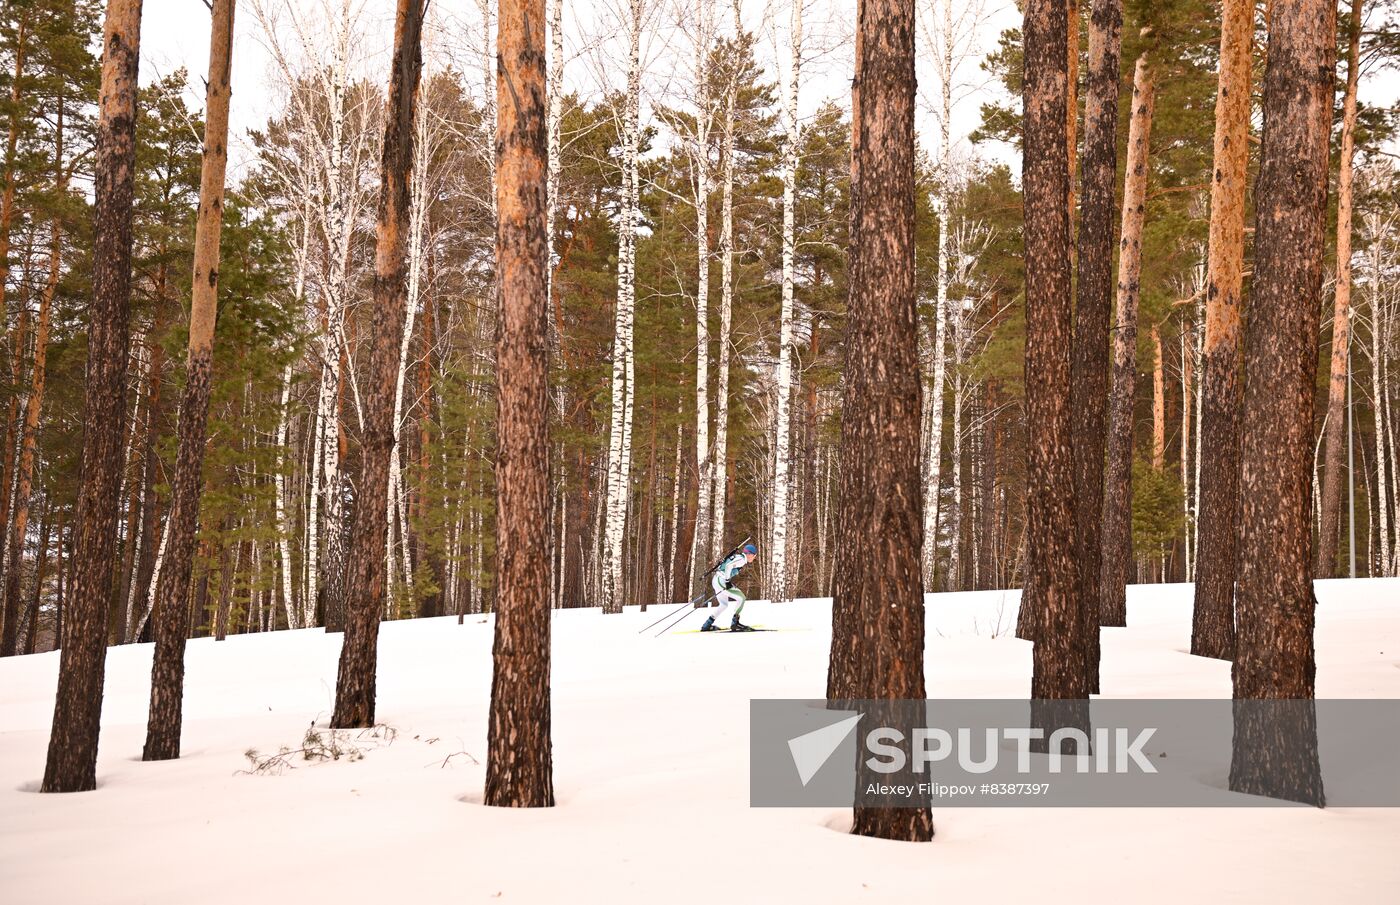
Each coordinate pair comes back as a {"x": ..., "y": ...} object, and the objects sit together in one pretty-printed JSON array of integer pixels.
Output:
[
  {"x": 30, "y": 434},
  {"x": 7, "y": 196},
  {"x": 880, "y": 466},
  {"x": 72, "y": 756},
  {"x": 172, "y": 603},
  {"x": 365, "y": 590},
  {"x": 843, "y": 665},
  {"x": 519, "y": 765},
  {"x": 1159, "y": 399},
  {"x": 7, "y": 211},
  {"x": 1213, "y": 615},
  {"x": 1060, "y": 646},
  {"x": 1340, "y": 373},
  {"x": 1275, "y": 749},
  {"x": 1094, "y": 311},
  {"x": 1118, "y": 483}
]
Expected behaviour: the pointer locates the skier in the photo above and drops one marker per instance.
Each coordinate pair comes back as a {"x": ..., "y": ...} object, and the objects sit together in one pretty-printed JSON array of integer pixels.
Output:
[{"x": 725, "y": 590}]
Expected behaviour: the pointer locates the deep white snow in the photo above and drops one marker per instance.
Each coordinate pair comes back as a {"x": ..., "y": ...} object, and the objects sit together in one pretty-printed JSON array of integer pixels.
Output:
[{"x": 650, "y": 755}]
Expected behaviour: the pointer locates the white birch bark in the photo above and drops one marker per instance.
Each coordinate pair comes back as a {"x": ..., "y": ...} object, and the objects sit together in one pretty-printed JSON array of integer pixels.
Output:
[
  {"x": 1378, "y": 393},
  {"x": 620, "y": 425},
  {"x": 700, "y": 551},
  {"x": 155, "y": 580},
  {"x": 954, "y": 581},
  {"x": 778, "y": 585},
  {"x": 720, "y": 466},
  {"x": 935, "y": 362},
  {"x": 279, "y": 481}
]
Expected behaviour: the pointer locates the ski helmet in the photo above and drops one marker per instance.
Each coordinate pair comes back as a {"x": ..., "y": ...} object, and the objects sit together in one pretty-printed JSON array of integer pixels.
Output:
[{"x": 751, "y": 549}]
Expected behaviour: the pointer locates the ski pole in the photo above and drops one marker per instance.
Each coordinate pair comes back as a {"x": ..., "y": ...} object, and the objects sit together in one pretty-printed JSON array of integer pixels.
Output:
[
  {"x": 669, "y": 613},
  {"x": 682, "y": 618}
]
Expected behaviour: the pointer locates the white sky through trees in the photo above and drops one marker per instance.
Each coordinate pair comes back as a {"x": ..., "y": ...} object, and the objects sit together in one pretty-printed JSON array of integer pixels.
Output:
[{"x": 175, "y": 33}]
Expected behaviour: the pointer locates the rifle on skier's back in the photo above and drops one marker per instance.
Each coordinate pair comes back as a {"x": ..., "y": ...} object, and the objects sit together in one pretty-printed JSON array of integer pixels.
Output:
[
  {"x": 694, "y": 602},
  {"x": 719, "y": 562}
]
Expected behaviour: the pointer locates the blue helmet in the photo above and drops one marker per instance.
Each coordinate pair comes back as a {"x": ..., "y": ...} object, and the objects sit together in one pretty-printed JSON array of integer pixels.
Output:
[{"x": 750, "y": 549}]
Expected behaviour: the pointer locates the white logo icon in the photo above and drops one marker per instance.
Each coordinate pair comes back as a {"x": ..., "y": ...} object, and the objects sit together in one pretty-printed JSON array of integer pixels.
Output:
[{"x": 811, "y": 750}]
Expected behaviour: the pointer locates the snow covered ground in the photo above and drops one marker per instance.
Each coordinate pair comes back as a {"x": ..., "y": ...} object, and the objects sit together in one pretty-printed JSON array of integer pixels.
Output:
[{"x": 650, "y": 755}]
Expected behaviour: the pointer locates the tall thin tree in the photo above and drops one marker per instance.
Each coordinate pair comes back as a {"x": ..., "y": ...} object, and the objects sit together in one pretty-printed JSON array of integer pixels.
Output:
[
  {"x": 1094, "y": 310},
  {"x": 1275, "y": 742},
  {"x": 72, "y": 756},
  {"x": 1059, "y": 652},
  {"x": 29, "y": 430},
  {"x": 782, "y": 451},
  {"x": 1340, "y": 371},
  {"x": 172, "y": 613},
  {"x": 519, "y": 761},
  {"x": 365, "y": 584},
  {"x": 1118, "y": 481},
  {"x": 1213, "y": 616},
  {"x": 880, "y": 467}
]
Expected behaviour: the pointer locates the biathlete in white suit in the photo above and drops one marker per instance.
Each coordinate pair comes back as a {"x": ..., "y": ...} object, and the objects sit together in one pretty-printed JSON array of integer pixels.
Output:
[{"x": 726, "y": 593}]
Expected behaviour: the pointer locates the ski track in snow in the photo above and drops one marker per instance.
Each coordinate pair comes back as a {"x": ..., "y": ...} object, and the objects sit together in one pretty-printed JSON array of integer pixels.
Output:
[{"x": 651, "y": 776}]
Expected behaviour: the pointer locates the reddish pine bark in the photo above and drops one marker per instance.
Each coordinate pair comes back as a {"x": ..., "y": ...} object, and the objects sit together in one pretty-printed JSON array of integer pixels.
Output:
[
  {"x": 1213, "y": 616},
  {"x": 519, "y": 762},
  {"x": 172, "y": 610},
  {"x": 365, "y": 583},
  {"x": 1093, "y": 313},
  {"x": 1118, "y": 482},
  {"x": 1060, "y": 670},
  {"x": 881, "y": 591},
  {"x": 1275, "y": 750},
  {"x": 1330, "y": 528},
  {"x": 72, "y": 755}
]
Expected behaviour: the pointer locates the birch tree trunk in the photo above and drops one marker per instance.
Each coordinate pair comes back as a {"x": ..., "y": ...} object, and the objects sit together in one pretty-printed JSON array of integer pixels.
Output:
[
  {"x": 172, "y": 601},
  {"x": 620, "y": 426},
  {"x": 72, "y": 753},
  {"x": 1340, "y": 372},
  {"x": 700, "y": 538},
  {"x": 1275, "y": 730},
  {"x": 1213, "y": 614},
  {"x": 337, "y": 227},
  {"x": 933, "y": 402},
  {"x": 284, "y": 551},
  {"x": 1118, "y": 489},
  {"x": 778, "y": 584},
  {"x": 720, "y": 468},
  {"x": 396, "y": 502},
  {"x": 1378, "y": 391}
]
